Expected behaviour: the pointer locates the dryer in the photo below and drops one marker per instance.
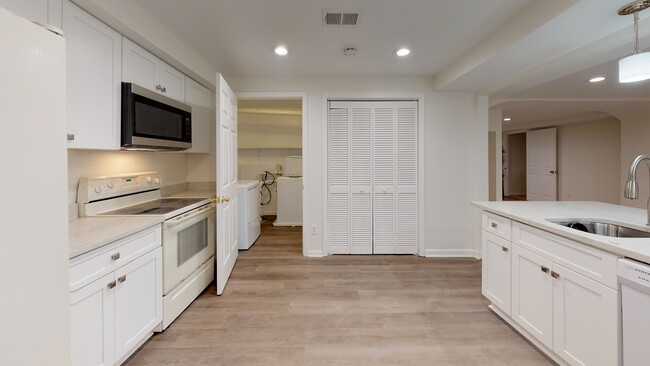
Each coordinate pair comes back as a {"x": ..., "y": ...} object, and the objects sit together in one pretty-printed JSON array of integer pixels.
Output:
[{"x": 248, "y": 213}]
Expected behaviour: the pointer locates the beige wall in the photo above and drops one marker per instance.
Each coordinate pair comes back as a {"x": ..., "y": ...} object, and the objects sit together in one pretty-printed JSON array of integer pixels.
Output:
[
  {"x": 269, "y": 131},
  {"x": 635, "y": 140},
  {"x": 516, "y": 173},
  {"x": 86, "y": 163},
  {"x": 589, "y": 159}
]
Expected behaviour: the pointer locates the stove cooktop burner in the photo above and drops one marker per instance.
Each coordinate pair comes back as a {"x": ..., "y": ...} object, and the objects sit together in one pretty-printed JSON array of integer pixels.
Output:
[{"x": 156, "y": 207}]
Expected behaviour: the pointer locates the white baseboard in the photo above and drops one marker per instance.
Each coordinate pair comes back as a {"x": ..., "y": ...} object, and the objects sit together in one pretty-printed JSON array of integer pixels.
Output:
[
  {"x": 315, "y": 254},
  {"x": 452, "y": 253}
]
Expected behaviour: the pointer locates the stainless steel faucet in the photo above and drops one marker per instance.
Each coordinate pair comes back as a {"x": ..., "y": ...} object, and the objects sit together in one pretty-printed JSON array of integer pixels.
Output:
[{"x": 632, "y": 186}]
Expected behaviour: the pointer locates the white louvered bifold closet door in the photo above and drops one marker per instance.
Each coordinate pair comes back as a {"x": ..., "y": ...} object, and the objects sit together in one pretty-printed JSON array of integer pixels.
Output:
[
  {"x": 406, "y": 187},
  {"x": 372, "y": 177},
  {"x": 361, "y": 190},
  {"x": 384, "y": 178},
  {"x": 338, "y": 176}
]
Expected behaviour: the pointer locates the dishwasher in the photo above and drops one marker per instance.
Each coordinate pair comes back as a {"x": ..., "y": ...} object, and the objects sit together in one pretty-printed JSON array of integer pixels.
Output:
[{"x": 635, "y": 287}]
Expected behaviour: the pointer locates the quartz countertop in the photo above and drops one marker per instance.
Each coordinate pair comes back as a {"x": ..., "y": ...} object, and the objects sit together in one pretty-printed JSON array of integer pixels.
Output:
[
  {"x": 536, "y": 213},
  {"x": 89, "y": 233}
]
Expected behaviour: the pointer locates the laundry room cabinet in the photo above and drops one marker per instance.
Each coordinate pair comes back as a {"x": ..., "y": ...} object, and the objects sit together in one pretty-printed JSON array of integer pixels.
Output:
[
  {"x": 43, "y": 11},
  {"x": 372, "y": 177}
]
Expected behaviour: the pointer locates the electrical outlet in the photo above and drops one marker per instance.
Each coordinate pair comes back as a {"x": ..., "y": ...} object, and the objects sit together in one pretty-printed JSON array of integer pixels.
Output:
[{"x": 314, "y": 230}]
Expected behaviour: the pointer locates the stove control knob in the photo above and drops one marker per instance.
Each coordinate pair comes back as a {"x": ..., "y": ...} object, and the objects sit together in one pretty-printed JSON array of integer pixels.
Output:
[
  {"x": 98, "y": 189},
  {"x": 110, "y": 185},
  {"x": 148, "y": 179},
  {"x": 157, "y": 181}
]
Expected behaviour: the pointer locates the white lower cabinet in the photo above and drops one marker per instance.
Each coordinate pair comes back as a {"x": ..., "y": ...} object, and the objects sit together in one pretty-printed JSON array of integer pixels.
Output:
[
  {"x": 563, "y": 296},
  {"x": 496, "y": 271},
  {"x": 92, "y": 316},
  {"x": 113, "y": 315}
]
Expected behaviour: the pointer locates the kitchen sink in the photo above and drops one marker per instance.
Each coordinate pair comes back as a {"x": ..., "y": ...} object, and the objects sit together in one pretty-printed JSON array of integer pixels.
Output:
[{"x": 601, "y": 228}]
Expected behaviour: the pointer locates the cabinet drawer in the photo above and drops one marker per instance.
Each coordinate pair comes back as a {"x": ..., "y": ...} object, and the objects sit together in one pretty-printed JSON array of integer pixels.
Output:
[
  {"x": 91, "y": 266},
  {"x": 589, "y": 262},
  {"x": 497, "y": 225}
]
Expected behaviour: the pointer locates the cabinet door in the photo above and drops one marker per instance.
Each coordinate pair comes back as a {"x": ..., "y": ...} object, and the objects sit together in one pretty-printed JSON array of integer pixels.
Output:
[
  {"x": 138, "y": 65},
  {"x": 94, "y": 59},
  {"x": 200, "y": 98},
  {"x": 138, "y": 301},
  {"x": 91, "y": 323},
  {"x": 34, "y": 10},
  {"x": 532, "y": 294},
  {"x": 586, "y": 318},
  {"x": 172, "y": 82},
  {"x": 496, "y": 284}
]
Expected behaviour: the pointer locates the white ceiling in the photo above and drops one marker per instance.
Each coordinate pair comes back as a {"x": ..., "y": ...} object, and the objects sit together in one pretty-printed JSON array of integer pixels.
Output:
[
  {"x": 238, "y": 36},
  {"x": 531, "y": 57}
]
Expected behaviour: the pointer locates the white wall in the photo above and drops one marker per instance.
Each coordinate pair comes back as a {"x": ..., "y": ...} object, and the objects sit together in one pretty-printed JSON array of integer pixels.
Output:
[
  {"x": 589, "y": 159},
  {"x": 173, "y": 167},
  {"x": 252, "y": 162},
  {"x": 495, "y": 125},
  {"x": 456, "y": 139}
]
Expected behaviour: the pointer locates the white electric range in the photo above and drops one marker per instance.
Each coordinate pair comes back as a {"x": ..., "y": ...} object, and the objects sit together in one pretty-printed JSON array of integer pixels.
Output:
[{"x": 188, "y": 232}]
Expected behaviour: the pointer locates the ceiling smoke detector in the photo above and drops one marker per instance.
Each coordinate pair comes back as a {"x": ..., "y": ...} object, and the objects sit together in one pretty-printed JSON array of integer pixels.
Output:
[
  {"x": 341, "y": 18},
  {"x": 350, "y": 51}
]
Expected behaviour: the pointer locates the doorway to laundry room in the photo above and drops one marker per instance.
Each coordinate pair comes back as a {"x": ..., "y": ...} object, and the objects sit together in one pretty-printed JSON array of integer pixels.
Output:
[{"x": 270, "y": 171}]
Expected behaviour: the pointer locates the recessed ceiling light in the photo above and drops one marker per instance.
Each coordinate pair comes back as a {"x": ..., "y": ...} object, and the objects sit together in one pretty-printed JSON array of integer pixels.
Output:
[
  {"x": 402, "y": 52},
  {"x": 507, "y": 119},
  {"x": 281, "y": 51},
  {"x": 597, "y": 79}
]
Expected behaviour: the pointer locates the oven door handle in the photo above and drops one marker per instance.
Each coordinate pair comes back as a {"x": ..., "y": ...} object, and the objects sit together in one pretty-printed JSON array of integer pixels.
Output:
[{"x": 188, "y": 216}]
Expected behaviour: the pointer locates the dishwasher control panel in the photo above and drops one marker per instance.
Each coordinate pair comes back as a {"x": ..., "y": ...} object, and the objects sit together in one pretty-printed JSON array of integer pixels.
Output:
[{"x": 631, "y": 270}]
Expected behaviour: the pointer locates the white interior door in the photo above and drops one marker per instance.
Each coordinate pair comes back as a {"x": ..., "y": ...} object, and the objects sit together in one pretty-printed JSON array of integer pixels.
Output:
[
  {"x": 226, "y": 183},
  {"x": 541, "y": 165}
]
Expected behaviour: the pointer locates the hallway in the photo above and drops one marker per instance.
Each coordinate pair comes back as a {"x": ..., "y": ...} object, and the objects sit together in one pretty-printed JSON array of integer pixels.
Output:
[{"x": 281, "y": 308}]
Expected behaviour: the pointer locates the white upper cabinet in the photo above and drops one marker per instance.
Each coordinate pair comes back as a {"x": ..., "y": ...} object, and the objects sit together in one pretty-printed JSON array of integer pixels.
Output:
[
  {"x": 200, "y": 98},
  {"x": 93, "y": 65},
  {"x": 44, "y": 11},
  {"x": 142, "y": 68}
]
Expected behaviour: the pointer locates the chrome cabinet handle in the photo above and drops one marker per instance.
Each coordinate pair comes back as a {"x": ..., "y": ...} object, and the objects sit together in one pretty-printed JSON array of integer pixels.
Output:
[
  {"x": 115, "y": 256},
  {"x": 158, "y": 87},
  {"x": 494, "y": 224},
  {"x": 71, "y": 137},
  {"x": 555, "y": 275},
  {"x": 504, "y": 249},
  {"x": 553, "y": 171},
  {"x": 111, "y": 285},
  {"x": 121, "y": 279},
  {"x": 164, "y": 89},
  {"x": 544, "y": 269}
]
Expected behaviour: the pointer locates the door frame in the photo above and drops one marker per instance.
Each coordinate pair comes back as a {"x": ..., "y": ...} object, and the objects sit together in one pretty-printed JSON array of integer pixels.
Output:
[
  {"x": 379, "y": 97},
  {"x": 305, "y": 168}
]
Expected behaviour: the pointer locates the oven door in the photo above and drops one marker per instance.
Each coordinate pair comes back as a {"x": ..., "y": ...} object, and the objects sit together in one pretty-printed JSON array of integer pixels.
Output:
[{"x": 188, "y": 242}]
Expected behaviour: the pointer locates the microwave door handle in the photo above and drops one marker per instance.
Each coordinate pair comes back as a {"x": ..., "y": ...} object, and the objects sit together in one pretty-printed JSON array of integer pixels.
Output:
[{"x": 191, "y": 215}]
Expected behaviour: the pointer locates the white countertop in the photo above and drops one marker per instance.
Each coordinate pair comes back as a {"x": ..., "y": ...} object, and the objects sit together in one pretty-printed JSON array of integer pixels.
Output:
[
  {"x": 89, "y": 233},
  {"x": 536, "y": 213}
]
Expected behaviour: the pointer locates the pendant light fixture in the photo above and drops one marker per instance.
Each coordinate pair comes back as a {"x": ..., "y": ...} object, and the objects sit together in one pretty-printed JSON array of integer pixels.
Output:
[{"x": 635, "y": 67}]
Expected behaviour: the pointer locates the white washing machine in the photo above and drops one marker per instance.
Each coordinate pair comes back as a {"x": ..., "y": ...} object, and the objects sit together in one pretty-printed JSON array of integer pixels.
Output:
[
  {"x": 248, "y": 213},
  {"x": 290, "y": 193}
]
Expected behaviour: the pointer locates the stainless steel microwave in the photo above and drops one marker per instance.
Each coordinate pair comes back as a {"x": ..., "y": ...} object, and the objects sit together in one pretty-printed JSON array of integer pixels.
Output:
[{"x": 154, "y": 122}]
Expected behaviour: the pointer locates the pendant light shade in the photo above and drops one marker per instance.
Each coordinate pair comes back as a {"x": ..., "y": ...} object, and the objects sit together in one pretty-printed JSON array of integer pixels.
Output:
[
  {"x": 634, "y": 68},
  {"x": 637, "y": 66}
]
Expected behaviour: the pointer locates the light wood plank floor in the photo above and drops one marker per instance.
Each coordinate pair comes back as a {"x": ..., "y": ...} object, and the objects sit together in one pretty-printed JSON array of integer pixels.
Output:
[{"x": 281, "y": 308}]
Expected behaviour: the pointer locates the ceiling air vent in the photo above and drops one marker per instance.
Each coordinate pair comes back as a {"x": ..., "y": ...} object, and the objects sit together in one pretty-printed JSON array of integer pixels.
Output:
[{"x": 339, "y": 18}]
